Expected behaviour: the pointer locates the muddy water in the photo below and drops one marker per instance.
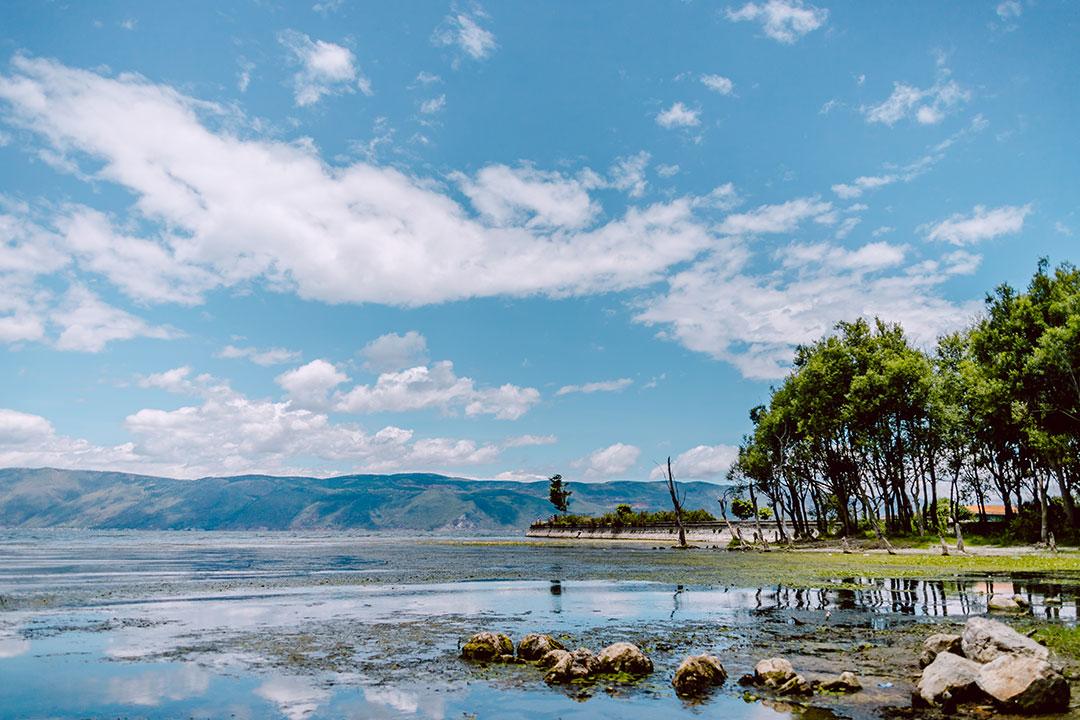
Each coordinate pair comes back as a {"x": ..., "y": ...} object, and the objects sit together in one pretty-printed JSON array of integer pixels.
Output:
[{"x": 315, "y": 625}]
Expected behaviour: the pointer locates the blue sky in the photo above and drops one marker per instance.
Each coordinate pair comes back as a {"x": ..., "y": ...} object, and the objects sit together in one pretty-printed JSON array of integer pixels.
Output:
[{"x": 500, "y": 240}]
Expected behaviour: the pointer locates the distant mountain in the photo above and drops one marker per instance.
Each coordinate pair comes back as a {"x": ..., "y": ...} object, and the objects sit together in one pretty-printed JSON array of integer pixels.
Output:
[{"x": 36, "y": 498}]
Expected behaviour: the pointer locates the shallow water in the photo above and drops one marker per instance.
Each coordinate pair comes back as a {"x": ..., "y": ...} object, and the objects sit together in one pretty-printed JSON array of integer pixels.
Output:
[{"x": 222, "y": 625}]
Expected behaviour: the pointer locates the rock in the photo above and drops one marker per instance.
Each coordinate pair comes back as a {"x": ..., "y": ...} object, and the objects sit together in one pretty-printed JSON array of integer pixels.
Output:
[
  {"x": 535, "y": 646},
  {"x": 1024, "y": 684},
  {"x": 624, "y": 657},
  {"x": 937, "y": 644},
  {"x": 846, "y": 683},
  {"x": 773, "y": 672},
  {"x": 552, "y": 657},
  {"x": 578, "y": 665},
  {"x": 948, "y": 679},
  {"x": 985, "y": 640},
  {"x": 796, "y": 685},
  {"x": 1001, "y": 603},
  {"x": 487, "y": 647},
  {"x": 698, "y": 674}
]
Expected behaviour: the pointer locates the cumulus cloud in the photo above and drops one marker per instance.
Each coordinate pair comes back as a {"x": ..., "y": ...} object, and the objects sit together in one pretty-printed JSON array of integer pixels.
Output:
[
  {"x": 324, "y": 68},
  {"x": 678, "y": 115},
  {"x": 982, "y": 224},
  {"x": 754, "y": 321},
  {"x": 87, "y": 323},
  {"x": 928, "y": 106},
  {"x": 703, "y": 462},
  {"x": 782, "y": 218},
  {"x": 265, "y": 357},
  {"x": 628, "y": 174},
  {"x": 782, "y": 20},
  {"x": 395, "y": 352},
  {"x": 595, "y": 387},
  {"x": 310, "y": 385},
  {"x": 612, "y": 461},
  {"x": 718, "y": 84},
  {"x": 465, "y": 31},
  {"x": 225, "y": 210}
]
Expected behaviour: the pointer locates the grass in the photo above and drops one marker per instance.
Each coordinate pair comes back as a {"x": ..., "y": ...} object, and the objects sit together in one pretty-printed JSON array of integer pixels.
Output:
[{"x": 1062, "y": 639}]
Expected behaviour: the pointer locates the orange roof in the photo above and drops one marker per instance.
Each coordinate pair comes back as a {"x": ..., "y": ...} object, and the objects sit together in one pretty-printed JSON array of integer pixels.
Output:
[{"x": 990, "y": 509}]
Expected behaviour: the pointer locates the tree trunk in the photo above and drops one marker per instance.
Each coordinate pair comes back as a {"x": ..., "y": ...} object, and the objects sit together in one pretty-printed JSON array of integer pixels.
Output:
[{"x": 676, "y": 504}]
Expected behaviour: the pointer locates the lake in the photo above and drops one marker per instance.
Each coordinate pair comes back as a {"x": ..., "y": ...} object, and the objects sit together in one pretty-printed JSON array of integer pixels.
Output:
[{"x": 328, "y": 625}]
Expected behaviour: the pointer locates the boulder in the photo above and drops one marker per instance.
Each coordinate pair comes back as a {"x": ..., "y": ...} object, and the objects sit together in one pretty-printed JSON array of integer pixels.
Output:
[
  {"x": 846, "y": 683},
  {"x": 487, "y": 647},
  {"x": 578, "y": 665},
  {"x": 948, "y": 679},
  {"x": 773, "y": 672},
  {"x": 697, "y": 675},
  {"x": 1003, "y": 603},
  {"x": 535, "y": 646},
  {"x": 796, "y": 685},
  {"x": 937, "y": 644},
  {"x": 552, "y": 658},
  {"x": 624, "y": 657},
  {"x": 1024, "y": 684},
  {"x": 985, "y": 640}
]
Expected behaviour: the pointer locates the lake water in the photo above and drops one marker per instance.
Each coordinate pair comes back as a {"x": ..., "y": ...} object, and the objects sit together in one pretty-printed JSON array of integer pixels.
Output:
[{"x": 298, "y": 626}]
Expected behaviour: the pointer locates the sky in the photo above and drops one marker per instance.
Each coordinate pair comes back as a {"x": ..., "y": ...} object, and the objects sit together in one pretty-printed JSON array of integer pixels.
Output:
[{"x": 499, "y": 240}]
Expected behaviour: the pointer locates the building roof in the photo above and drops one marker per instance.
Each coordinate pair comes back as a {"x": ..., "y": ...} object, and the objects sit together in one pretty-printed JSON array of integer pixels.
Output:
[{"x": 990, "y": 509}]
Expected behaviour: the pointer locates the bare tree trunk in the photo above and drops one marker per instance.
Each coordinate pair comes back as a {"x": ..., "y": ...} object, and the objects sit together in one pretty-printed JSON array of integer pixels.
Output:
[
  {"x": 944, "y": 547},
  {"x": 735, "y": 532},
  {"x": 871, "y": 514},
  {"x": 757, "y": 519},
  {"x": 676, "y": 504}
]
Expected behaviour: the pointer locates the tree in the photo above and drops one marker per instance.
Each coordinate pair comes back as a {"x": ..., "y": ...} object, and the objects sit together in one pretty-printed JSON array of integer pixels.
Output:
[
  {"x": 742, "y": 509},
  {"x": 558, "y": 494},
  {"x": 676, "y": 503}
]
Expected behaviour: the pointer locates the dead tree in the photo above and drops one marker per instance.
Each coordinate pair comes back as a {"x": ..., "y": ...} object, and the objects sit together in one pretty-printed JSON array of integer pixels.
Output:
[
  {"x": 676, "y": 503},
  {"x": 735, "y": 532}
]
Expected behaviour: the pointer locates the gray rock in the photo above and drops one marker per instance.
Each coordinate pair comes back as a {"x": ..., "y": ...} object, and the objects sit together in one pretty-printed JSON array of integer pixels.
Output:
[
  {"x": 552, "y": 658},
  {"x": 487, "y": 647},
  {"x": 624, "y": 657},
  {"x": 578, "y": 665},
  {"x": 846, "y": 683},
  {"x": 535, "y": 646},
  {"x": 985, "y": 640},
  {"x": 948, "y": 679},
  {"x": 796, "y": 685},
  {"x": 1003, "y": 603},
  {"x": 937, "y": 644},
  {"x": 697, "y": 675},
  {"x": 773, "y": 672},
  {"x": 1024, "y": 684}
]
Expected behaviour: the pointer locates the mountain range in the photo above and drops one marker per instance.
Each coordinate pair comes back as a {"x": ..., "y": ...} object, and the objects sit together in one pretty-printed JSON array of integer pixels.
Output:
[{"x": 47, "y": 497}]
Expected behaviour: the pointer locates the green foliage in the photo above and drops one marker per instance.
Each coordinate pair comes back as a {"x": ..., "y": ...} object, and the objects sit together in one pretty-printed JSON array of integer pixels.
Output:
[
  {"x": 742, "y": 509},
  {"x": 625, "y": 516},
  {"x": 558, "y": 495},
  {"x": 764, "y": 513}
]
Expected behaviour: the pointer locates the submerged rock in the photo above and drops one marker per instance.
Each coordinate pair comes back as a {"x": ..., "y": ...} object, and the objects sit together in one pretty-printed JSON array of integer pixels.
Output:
[
  {"x": 950, "y": 678},
  {"x": 847, "y": 682},
  {"x": 985, "y": 640},
  {"x": 487, "y": 647},
  {"x": 1024, "y": 684},
  {"x": 773, "y": 672},
  {"x": 578, "y": 665},
  {"x": 624, "y": 657},
  {"x": 534, "y": 646},
  {"x": 796, "y": 685},
  {"x": 940, "y": 643},
  {"x": 697, "y": 675},
  {"x": 1002, "y": 603}
]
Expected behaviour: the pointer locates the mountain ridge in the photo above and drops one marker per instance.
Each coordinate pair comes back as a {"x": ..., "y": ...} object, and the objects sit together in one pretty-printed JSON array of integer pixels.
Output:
[{"x": 430, "y": 502}]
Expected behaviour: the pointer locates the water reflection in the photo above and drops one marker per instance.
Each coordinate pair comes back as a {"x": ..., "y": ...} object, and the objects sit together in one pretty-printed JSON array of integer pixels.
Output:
[{"x": 152, "y": 687}]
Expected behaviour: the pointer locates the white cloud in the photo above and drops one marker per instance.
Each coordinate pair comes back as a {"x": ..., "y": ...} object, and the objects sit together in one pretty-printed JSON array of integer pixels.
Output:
[
  {"x": 529, "y": 441},
  {"x": 464, "y": 31},
  {"x": 227, "y": 210},
  {"x": 309, "y": 386},
  {"x": 982, "y": 224},
  {"x": 395, "y": 352},
  {"x": 594, "y": 387},
  {"x": 434, "y": 105},
  {"x": 1009, "y": 9},
  {"x": 718, "y": 83},
  {"x": 328, "y": 7},
  {"x": 512, "y": 196},
  {"x": 754, "y": 320},
  {"x": 928, "y": 106},
  {"x": 87, "y": 323},
  {"x": 704, "y": 462},
  {"x": 436, "y": 386},
  {"x": 628, "y": 174},
  {"x": 678, "y": 115},
  {"x": 325, "y": 68},
  {"x": 782, "y": 20},
  {"x": 612, "y": 461},
  {"x": 269, "y": 356},
  {"x": 1062, "y": 229},
  {"x": 781, "y": 218},
  {"x": 667, "y": 171},
  {"x": 859, "y": 185}
]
